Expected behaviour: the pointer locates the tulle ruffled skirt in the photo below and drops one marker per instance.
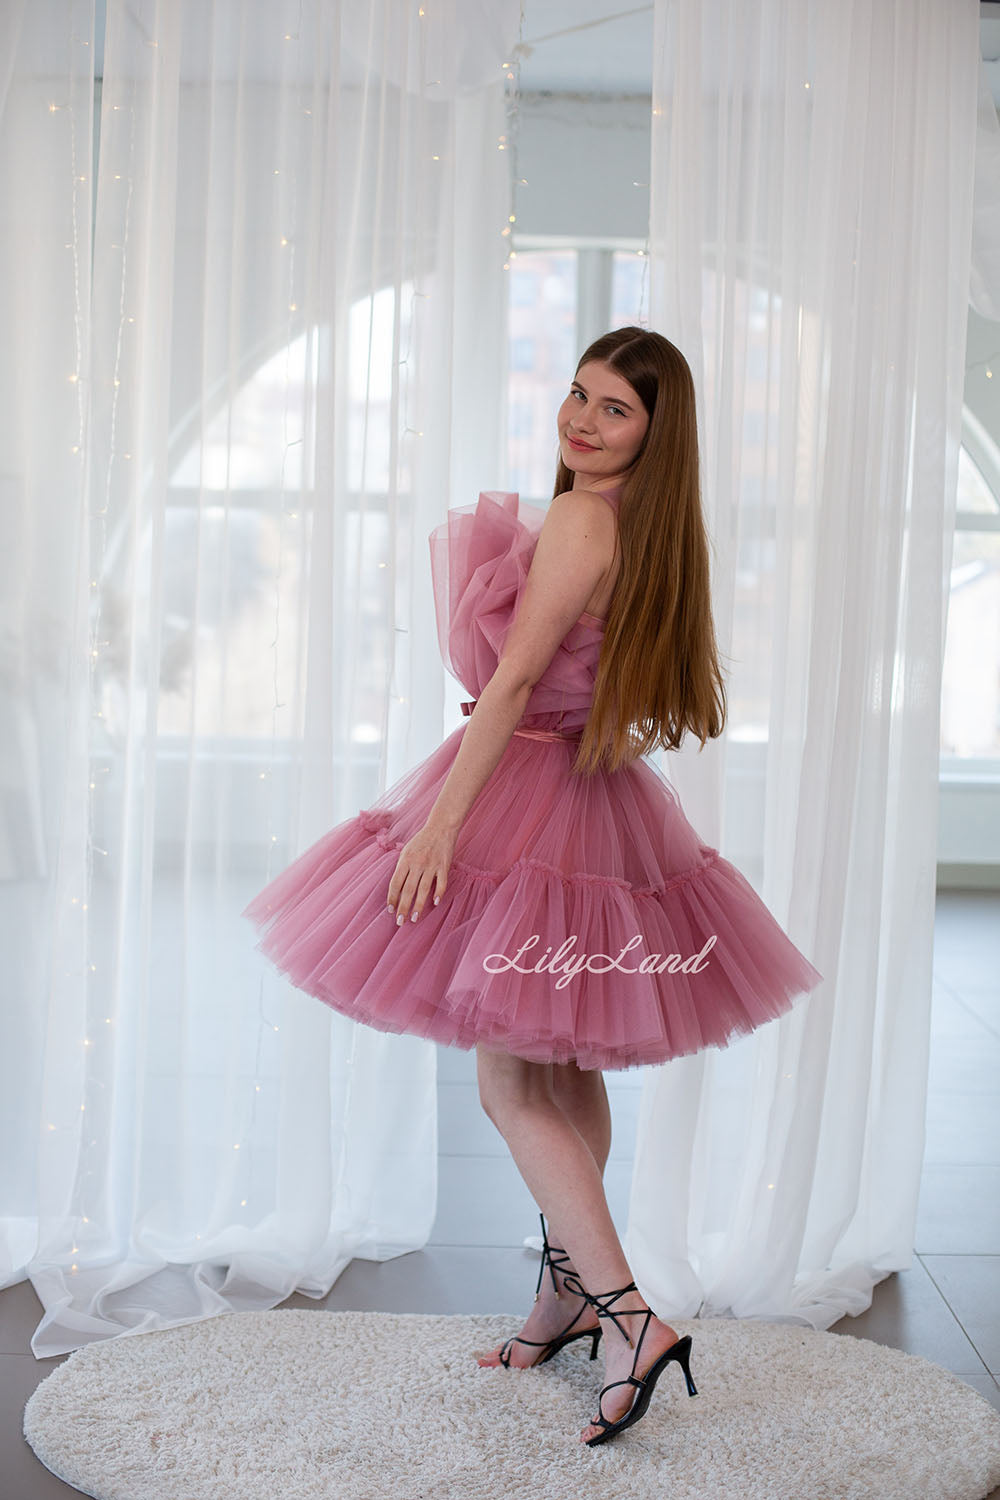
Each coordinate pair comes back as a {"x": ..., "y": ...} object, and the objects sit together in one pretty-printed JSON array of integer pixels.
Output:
[{"x": 583, "y": 919}]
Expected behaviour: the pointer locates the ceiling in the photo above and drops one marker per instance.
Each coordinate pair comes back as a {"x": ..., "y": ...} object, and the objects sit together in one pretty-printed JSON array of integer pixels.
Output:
[
  {"x": 604, "y": 46},
  {"x": 586, "y": 46}
]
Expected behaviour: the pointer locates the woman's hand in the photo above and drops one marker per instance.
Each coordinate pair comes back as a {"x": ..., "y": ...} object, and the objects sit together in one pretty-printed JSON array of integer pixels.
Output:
[{"x": 422, "y": 865}]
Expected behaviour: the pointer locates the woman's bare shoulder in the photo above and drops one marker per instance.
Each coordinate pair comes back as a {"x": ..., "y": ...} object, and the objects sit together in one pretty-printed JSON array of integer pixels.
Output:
[{"x": 588, "y": 503}]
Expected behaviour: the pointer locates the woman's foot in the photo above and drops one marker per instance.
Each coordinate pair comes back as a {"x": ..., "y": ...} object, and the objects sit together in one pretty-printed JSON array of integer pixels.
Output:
[
  {"x": 549, "y": 1317},
  {"x": 620, "y": 1357}
]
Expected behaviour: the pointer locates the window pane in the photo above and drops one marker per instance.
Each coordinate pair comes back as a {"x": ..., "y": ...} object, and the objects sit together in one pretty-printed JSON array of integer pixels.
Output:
[
  {"x": 543, "y": 357},
  {"x": 371, "y": 368},
  {"x": 973, "y": 491},
  {"x": 256, "y": 441},
  {"x": 629, "y": 289},
  {"x": 230, "y": 664},
  {"x": 970, "y": 693}
]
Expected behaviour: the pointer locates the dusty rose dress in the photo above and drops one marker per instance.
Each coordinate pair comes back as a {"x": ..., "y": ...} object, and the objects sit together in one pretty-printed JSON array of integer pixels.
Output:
[{"x": 583, "y": 916}]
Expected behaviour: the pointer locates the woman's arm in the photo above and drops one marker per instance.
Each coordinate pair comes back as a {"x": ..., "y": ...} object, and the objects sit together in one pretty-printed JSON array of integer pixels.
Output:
[{"x": 574, "y": 550}]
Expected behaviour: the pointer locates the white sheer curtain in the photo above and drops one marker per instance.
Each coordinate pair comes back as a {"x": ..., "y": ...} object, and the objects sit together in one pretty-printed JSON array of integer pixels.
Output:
[
  {"x": 811, "y": 223},
  {"x": 222, "y": 455},
  {"x": 984, "y": 278}
]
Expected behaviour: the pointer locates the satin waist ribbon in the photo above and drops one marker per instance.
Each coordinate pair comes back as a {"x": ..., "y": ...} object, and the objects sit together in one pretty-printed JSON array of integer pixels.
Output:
[{"x": 528, "y": 734}]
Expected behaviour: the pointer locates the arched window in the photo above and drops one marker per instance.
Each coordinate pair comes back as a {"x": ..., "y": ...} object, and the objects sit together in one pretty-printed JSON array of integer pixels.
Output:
[{"x": 970, "y": 695}]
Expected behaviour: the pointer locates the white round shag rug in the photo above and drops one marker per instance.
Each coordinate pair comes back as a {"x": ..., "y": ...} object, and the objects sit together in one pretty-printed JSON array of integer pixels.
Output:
[{"x": 310, "y": 1405}]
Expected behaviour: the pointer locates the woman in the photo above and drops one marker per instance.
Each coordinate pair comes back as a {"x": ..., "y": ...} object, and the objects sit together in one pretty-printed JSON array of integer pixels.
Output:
[{"x": 568, "y": 917}]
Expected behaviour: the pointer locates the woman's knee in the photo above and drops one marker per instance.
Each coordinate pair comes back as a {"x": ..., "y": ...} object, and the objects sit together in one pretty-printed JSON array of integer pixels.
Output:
[
  {"x": 508, "y": 1083},
  {"x": 571, "y": 1085}
]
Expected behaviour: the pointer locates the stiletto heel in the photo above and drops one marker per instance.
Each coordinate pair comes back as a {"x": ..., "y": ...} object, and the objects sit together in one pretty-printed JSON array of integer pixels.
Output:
[
  {"x": 553, "y": 1345},
  {"x": 682, "y": 1355},
  {"x": 680, "y": 1351}
]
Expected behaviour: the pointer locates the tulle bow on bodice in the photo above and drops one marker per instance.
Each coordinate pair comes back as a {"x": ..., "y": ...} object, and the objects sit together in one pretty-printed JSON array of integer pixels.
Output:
[{"x": 480, "y": 558}]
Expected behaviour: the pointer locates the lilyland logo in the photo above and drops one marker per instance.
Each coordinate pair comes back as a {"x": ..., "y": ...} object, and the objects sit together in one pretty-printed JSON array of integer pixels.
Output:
[{"x": 570, "y": 966}]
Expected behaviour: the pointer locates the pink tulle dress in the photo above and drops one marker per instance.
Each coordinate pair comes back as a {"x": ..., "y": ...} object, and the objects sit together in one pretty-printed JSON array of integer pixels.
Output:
[{"x": 583, "y": 917}]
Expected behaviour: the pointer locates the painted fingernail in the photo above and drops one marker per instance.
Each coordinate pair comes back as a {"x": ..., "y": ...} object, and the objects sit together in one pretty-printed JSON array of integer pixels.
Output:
[
  {"x": 399, "y": 920},
  {"x": 413, "y": 916}
]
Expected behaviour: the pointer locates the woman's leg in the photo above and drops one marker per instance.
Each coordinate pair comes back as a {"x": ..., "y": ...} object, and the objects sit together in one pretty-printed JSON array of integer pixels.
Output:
[
  {"x": 563, "y": 1176},
  {"x": 585, "y": 1110},
  {"x": 583, "y": 1098}
]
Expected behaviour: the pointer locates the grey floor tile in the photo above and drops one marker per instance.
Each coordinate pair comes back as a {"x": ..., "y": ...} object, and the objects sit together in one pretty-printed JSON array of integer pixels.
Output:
[
  {"x": 970, "y": 1284},
  {"x": 20, "y": 1314},
  {"x": 23, "y": 1476},
  {"x": 442, "y": 1279},
  {"x": 987, "y": 1386},
  {"x": 909, "y": 1313}
]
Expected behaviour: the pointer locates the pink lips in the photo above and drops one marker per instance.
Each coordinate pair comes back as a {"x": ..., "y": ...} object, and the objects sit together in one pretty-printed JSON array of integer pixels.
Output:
[{"x": 575, "y": 443}]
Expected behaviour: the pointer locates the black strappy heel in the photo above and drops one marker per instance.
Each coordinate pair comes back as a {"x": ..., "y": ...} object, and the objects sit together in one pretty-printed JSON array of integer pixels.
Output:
[
  {"x": 681, "y": 1352},
  {"x": 554, "y": 1345}
]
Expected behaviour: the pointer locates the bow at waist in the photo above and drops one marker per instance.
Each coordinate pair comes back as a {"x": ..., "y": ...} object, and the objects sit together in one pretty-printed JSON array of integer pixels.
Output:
[{"x": 526, "y": 733}]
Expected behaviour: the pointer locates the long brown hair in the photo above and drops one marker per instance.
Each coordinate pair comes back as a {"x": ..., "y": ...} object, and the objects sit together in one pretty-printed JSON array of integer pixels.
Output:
[{"x": 658, "y": 674}]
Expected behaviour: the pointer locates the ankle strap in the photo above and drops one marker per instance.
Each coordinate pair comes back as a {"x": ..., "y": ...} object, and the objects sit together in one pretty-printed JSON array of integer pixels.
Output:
[
  {"x": 602, "y": 1301},
  {"x": 548, "y": 1261}
]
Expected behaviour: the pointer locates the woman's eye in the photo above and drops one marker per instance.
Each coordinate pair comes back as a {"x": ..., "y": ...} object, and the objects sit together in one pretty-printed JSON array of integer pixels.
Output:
[{"x": 617, "y": 409}]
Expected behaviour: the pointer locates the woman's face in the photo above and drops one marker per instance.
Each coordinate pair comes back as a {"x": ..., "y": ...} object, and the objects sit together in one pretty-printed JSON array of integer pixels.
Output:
[{"x": 602, "y": 424}]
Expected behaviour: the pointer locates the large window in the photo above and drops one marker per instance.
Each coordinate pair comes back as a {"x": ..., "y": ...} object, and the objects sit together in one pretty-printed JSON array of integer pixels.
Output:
[
  {"x": 238, "y": 531},
  {"x": 970, "y": 697},
  {"x": 563, "y": 295}
]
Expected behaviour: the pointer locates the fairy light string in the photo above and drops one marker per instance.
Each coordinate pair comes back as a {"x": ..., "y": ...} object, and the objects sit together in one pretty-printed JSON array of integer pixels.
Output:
[{"x": 509, "y": 141}]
